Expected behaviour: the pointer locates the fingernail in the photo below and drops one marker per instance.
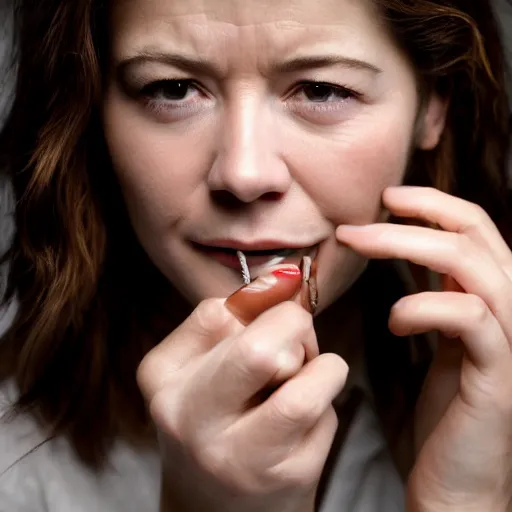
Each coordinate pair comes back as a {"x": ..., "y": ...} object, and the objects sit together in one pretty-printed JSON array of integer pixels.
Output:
[
  {"x": 267, "y": 281},
  {"x": 286, "y": 272},
  {"x": 262, "y": 283},
  {"x": 276, "y": 285}
]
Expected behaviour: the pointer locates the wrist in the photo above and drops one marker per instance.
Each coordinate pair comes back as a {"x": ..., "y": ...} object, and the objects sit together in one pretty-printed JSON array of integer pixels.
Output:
[
  {"x": 460, "y": 509},
  {"x": 421, "y": 498},
  {"x": 473, "y": 507}
]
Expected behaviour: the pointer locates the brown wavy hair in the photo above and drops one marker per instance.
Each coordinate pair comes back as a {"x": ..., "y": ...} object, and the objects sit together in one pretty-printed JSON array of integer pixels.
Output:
[{"x": 91, "y": 304}]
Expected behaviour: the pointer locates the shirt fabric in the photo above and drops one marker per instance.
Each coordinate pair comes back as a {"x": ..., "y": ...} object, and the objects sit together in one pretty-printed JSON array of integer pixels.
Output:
[{"x": 49, "y": 478}]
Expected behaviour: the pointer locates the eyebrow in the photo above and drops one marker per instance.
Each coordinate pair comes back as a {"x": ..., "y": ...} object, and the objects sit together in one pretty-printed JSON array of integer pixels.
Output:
[
  {"x": 324, "y": 61},
  {"x": 201, "y": 66}
]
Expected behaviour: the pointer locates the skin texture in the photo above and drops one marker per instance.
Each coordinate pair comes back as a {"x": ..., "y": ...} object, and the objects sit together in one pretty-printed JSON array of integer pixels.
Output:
[
  {"x": 463, "y": 420},
  {"x": 247, "y": 157},
  {"x": 240, "y": 393}
]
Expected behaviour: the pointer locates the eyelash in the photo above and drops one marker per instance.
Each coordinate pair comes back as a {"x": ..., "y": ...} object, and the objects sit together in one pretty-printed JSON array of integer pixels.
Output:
[
  {"x": 151, "y": 91},
  {"x": 333, "y": 88}
]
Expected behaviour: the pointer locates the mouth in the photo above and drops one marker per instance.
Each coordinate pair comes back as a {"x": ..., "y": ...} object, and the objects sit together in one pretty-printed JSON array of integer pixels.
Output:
[{"x": 257, "y": 259}]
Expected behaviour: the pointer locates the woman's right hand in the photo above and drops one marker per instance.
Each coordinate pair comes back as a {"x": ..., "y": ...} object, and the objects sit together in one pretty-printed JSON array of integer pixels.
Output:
[{"x": 228, "y": 443}]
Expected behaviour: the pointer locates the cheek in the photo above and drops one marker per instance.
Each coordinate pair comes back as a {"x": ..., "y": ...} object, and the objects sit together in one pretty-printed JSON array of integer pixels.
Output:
[
  {"x": 158, "y": 169},
  {"x": 347, "y": 171}
]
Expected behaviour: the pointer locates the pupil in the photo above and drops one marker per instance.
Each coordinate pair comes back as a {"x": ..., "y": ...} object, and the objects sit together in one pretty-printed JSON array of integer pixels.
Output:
[
  {"x": 318, "y": 92},
  {"x": 175, "y": 90}
]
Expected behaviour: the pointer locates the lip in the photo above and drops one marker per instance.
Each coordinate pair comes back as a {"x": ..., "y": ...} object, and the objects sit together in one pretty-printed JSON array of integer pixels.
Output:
[
  {"x": 255, "y": 263},
  {"x": 256, "y": 245}
]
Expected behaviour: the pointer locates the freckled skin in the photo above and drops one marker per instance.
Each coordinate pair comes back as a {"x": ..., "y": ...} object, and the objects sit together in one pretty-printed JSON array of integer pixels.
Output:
[{"x": 294, "y": 169}]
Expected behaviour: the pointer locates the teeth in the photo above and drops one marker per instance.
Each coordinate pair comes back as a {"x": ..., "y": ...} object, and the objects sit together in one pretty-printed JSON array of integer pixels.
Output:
[
  {"x": 275, "y": 258},
  {"x": 275, "y": 261},
  {"x": 286, "y": 252},
  {"x": 270, "y": 252},
  {"x": 281, "y": 256}
]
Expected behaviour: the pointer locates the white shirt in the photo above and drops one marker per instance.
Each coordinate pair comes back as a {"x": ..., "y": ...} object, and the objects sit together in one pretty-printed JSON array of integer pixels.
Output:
[{"x": 51, "y": 479}]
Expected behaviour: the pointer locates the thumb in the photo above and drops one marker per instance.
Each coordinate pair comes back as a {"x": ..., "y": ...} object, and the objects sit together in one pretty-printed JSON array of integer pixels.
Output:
[{"x": 282, "y": 283}]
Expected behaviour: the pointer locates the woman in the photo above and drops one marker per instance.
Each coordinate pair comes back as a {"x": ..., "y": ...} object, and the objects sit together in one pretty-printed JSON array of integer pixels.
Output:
[{"x": 149, "y": 141}]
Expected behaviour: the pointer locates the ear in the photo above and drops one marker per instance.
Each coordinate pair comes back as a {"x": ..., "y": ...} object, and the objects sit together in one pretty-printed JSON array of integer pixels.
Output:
[{"x": 432, "y": 122}]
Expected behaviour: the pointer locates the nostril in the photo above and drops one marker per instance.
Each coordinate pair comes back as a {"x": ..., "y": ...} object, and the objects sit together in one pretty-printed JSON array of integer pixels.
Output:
[
  {"x": 229, "y": 201},
  {"x": 226, "y": 200},
  {"x": 272, "y": 196}
]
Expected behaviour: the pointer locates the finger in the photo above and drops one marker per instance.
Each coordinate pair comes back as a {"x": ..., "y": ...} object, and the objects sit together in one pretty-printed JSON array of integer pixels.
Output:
[
  {"x": 297, "y": 406},
  {"x": 441, "y": 385},
  {"x": 209, "y": 322},
  {"x": 280, "y": 285},
  {"x": 451, "y": 214},
  {"x": 273, "y": 348},
  {"x": 305, "y": 464},
  {"x": 309, "y": 460},
  {"x": 446, "y": 253},
  {"x": 456, "y": 315}
]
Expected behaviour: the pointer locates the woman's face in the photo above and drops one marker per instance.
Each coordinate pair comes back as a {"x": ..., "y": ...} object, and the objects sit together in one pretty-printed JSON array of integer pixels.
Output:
[{"x": 254, "y": 125}]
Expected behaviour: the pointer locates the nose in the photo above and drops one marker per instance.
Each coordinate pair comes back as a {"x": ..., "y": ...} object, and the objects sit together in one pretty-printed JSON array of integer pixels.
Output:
[{"x": 248, "y": 163}]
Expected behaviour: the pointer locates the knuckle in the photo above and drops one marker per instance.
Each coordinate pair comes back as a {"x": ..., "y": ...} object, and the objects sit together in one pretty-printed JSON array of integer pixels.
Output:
[
  {"x": 476, "y": 217},
  {"x": 294, "y": 314},
  {"x": 295, "y": 474},
  {"x": 260, "y": 356},
  {"x": 463, "y": 246},
  {"x": 297, "y": 409},
  {"x": 145, "y": 375},
  {"x": 287, "y": 479},
  {"x": 331, "y": 419},
  {"x": 163, "y": 413},
  {"x": 210, "y": 315},
  {"x": 257, "y": 356},
  {"x": 463, "y": 252},
  {"x": 476, "y": 309},
  {"x": 302, "y": 476}
]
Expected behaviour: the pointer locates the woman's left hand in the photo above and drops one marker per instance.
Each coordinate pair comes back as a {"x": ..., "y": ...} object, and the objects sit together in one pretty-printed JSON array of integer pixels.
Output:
[{"x": 463, "y": 424}]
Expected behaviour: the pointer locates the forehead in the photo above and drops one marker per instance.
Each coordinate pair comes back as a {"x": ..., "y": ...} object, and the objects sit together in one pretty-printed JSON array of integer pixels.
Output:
[
  {"x": 249, "y": 12},
  {"x": 222, "y": 28}
]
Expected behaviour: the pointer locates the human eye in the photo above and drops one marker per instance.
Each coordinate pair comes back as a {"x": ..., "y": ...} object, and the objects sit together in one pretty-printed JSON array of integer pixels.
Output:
[
  {"x": 322, "y": 92},
  {"x": 173, "y": 96},
  {"x": 318, "y": 97},
  {"x": 169, "y": 90}
]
